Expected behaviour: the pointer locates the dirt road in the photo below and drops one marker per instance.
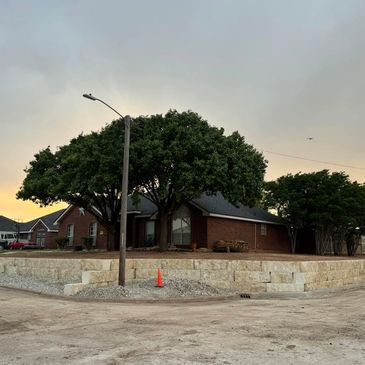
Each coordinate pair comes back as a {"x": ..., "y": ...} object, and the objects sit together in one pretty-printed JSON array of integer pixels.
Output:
[{"x": 39, "y": 330}]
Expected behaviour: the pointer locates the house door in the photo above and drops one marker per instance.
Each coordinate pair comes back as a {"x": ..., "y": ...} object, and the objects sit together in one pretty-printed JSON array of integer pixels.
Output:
[{"x": 41, "y": 238}]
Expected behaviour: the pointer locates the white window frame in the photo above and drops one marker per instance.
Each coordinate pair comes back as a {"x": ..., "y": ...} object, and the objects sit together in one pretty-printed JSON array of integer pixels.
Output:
[
  {"x": 181, "y": 220},
  {"x": 70, "y": 234},
  {"x": 263, "y": 229},
  {"x": 93, "y": 232},
  {"x": 150, "y": 223},
  {"x": 41, "y": 238}
]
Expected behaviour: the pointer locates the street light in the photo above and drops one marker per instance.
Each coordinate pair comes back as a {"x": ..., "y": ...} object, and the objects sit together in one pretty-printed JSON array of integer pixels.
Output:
[{"x": 123, "y": 210}]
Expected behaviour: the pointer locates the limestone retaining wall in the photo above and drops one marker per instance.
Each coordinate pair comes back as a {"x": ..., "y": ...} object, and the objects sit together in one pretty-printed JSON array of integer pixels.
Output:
[{"x": 240, "y": 275}]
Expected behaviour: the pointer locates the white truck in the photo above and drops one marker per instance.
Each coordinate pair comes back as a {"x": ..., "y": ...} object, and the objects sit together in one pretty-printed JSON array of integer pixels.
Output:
[{"x": 6, "y": 238}]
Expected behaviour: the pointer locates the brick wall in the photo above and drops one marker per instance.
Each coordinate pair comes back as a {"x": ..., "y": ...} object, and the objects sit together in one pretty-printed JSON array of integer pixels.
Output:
[
  {"x": 41, "y": 229},
  {"x": 81, "y": 227},
  {"x": 276, "y": 238},
  {"x": 229, "y": 229},
  {"x": 199, "y": 228}
]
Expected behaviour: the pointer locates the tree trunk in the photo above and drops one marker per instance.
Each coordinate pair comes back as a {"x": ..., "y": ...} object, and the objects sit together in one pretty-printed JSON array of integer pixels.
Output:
[
  {"x": 293, "y": 231},
  {"x": 339, "y": 241},
  {"x": 323, "y": 240},
  {"x": 110, "y": 241},
  {"x": 113, "y": 237},
  {"x": 163, "y": 239},
  {"x": 352, "y": 243},
  {"x": 116, "y": 241}
]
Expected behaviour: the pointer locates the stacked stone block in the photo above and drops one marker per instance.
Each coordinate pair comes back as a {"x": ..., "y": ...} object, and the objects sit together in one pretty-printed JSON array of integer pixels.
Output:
[{"x": 240, "y": 275}]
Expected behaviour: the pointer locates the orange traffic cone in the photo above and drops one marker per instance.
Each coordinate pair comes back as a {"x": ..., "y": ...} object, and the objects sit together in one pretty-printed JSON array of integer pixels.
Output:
[{"x": 159, "y": 281}]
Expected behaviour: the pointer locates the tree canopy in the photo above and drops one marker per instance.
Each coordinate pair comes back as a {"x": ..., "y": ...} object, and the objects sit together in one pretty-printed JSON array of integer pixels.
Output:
[
  {"x": 173, "y": 158},
  {"x": 329, "y": 203},
  {"x": 288, "y": 196},
  {"x": 82, "y": 173},
  {"x": 179, "y": 156}
]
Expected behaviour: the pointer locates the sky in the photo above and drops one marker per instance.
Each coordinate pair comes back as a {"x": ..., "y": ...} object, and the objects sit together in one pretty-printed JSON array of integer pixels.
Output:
[{"x": 277, "y": 71}]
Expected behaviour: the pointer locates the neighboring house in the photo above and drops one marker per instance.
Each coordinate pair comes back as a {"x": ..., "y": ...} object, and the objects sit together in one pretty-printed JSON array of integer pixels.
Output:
[
  {"x": 8, "y": 230},
  {"x": 75, "y": 223},
  {"x": 209, "y": 219},
  {"x": 42, "y": 230},
  {"x": 203, "y": 221}
]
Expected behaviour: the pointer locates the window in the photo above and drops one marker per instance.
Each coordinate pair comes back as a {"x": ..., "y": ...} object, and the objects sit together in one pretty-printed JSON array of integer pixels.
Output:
[
  {"x": 181, "y": 227},
  {"x": 41, "y": 238},
  {"x": 149, "y": 235},
  {"x": 263, "y": 229},
  {"x": 70, "y": 234},
  {"x": 93, "y": 231}
]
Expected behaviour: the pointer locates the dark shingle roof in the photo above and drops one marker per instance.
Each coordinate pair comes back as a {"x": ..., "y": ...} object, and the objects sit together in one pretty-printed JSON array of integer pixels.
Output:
[
  {"x": 211, "y": 204},
  {"x": 47, "y": 219},
  {"x": 25, "y": 227},
  {"x": 216, "y": 204},
  {"x": 7, "y": 225},
  {"x": 144, "y": 206}
]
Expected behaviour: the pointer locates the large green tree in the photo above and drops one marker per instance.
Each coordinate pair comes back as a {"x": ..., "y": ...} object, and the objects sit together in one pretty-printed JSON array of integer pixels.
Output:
[
  {"x": 179, "y": 156},
  {"x": 84, "y": 173},
  {"x": 336, "y": 207},
  {"x": 329, "y": 203},
  {"x": 173, "y": 158},
  {"x": 289, "y": 198}
]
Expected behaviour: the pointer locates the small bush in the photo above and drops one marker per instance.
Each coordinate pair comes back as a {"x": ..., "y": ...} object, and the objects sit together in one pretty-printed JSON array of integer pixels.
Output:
[
  {"x": 61, "y": 241},
  {"x": 88, "y": 242}
]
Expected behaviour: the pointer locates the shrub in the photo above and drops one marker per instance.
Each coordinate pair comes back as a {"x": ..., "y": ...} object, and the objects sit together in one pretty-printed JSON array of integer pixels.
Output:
[
  {"x": 88, "y": 242},
  {"x": 61, "y": 241}
]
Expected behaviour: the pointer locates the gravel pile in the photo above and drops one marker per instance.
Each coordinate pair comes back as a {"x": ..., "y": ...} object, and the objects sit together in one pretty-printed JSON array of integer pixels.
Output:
[
  {"x": 23, "y": 282},
  {"x": 173, "y": 288}
]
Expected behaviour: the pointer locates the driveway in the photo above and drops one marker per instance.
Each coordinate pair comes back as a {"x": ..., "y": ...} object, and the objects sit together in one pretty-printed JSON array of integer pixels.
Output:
[{"x": 41, "y": 330}]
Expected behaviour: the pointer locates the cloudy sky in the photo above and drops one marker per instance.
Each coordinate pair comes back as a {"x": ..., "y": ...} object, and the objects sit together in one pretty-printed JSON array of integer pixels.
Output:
[{"x": 277, "y": 71}]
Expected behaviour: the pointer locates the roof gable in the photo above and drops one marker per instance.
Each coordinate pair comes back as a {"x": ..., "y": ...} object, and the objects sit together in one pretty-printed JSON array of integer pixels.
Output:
[
  {"x": 7, "y": 224},
  {"x": 217, "y": 205},
  {"x": 47, "y": 220}
]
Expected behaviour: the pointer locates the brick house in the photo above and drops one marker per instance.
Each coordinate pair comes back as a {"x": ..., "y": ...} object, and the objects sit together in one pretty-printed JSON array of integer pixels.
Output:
[
  {"x": 76, "y": 223},
  {"x": 41, "y": 230},
  {"x": 203, "y": 221}
]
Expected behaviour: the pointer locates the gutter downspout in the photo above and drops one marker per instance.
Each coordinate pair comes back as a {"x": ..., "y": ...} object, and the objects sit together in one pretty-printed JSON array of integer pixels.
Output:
[{"x": 255, "y": 238}]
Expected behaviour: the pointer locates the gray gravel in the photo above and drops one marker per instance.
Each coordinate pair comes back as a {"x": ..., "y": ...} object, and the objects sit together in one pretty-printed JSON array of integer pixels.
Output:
[
  {"x": 23, "y": 282},
  {"x": 173, "y": 288}
]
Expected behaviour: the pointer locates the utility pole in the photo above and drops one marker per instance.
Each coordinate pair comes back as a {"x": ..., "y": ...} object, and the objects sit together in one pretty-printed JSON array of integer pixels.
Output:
[
  {"x": 124, "y": 198},
  {"x": 123, "y": 211}
]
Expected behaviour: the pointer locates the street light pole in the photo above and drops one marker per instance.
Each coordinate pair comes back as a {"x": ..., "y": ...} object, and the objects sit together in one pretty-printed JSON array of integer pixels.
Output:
[
  {"x": 123, "y": 211},
  {"x": 124, "y": 205}
]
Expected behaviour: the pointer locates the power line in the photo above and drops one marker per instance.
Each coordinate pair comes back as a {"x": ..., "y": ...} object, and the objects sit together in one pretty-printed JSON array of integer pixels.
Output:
[{"x": 313, "y": 160}]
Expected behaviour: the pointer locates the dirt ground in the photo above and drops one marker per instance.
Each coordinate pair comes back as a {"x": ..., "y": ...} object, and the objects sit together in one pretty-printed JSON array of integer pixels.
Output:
[
  {"x": 43, "y": 330},
  {"x": 175, "y": 255}
]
